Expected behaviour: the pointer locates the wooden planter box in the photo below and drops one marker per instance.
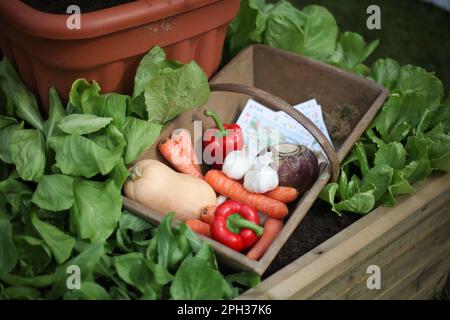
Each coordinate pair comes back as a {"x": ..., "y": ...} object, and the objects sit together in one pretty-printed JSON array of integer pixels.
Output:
[{"x": 410, "y": 243}]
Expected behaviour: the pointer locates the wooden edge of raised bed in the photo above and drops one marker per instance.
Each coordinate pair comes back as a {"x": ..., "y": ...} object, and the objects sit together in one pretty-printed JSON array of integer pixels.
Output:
[{"x": 339, "y": 256}]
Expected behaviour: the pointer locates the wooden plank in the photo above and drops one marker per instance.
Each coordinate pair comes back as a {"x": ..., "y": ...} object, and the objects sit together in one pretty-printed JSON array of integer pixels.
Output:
[
  {"x": 437, "y": 243},
  {"x": 432, "y": 290},
  {"x": 430, "y": 272},
  {"x": 320, "y": 266},
  {"x": 357, "y": 273}
]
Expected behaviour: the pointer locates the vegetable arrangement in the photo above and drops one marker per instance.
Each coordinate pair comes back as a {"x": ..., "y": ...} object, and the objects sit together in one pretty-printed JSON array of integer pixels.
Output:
[
  {"x": 251, "y": 182},
  {"x": 410, "y": 137},
  {"x": 61, "y": 181}
]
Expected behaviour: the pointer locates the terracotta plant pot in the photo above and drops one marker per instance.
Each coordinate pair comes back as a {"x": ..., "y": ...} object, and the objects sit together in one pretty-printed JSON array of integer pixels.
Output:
[{"x": 110, "y": 42}]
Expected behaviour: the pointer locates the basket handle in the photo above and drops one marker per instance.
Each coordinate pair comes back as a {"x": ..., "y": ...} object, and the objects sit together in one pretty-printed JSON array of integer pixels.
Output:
[{"x": 278, "y": 104}]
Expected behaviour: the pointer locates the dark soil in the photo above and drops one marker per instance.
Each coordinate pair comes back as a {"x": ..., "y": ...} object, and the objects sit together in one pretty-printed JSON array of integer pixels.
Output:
[
  {"x": 317, "y": 226},
  {"x": 60, "y": 6}
]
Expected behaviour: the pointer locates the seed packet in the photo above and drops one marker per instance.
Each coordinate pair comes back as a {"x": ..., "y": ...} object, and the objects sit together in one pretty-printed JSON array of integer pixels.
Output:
[{"x": 263, "y": 127}]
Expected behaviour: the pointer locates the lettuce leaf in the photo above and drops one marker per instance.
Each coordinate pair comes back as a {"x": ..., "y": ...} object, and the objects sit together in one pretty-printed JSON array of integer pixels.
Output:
[{"x": 170, "y": 94}]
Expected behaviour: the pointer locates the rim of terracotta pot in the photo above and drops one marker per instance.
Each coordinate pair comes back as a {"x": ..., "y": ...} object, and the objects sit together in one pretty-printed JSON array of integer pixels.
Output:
[{"x": 95, "y": 23}]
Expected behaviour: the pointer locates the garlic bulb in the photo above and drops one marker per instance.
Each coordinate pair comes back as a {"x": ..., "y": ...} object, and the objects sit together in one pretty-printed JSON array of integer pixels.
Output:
[
  {"x": 262, "y": 177},
  {"x": 237, "y": 163}
]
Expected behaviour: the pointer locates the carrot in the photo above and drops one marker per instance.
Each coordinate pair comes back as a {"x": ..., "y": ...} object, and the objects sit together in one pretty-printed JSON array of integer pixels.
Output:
[
  {"x": 178, "y": 157},
  {"x": 207, "y": 213},
  {"x": 283, "y": 194},
  {"x": 199, "y": 227},
  {"x": 182, "y": 137},
  {"x": 233, "y": 189},
  {"x": 272, "y": 228}
]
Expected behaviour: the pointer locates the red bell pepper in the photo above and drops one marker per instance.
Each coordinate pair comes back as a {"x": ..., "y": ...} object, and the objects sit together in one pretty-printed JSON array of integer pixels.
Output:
[
  {"x": 224, "y": 138},
  {"x": 236, "y": 225}
]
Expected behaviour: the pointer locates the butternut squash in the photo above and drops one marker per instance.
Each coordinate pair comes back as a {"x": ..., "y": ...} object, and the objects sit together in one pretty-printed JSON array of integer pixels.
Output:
[{"x": 163, "y": 190}]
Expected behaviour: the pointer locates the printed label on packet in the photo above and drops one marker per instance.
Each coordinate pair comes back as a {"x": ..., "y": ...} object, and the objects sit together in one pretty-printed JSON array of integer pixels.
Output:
[{"x": 263, "y": 127}]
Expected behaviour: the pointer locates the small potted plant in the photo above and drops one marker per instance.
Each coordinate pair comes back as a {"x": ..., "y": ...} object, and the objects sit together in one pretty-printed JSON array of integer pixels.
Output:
[{"x": 101, "y": 42}]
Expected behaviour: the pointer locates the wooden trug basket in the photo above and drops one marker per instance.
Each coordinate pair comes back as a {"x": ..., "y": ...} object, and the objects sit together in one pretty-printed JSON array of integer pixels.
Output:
[{"x": 279, "y": 79}]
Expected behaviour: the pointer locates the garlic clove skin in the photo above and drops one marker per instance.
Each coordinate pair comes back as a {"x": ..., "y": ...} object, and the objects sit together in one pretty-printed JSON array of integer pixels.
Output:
[
  {"x": 237, "y": 164},
  {"x": 261, "y": 180}
]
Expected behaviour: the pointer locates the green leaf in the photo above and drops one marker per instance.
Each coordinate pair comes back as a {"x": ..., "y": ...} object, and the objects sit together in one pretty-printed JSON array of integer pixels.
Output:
[
  {"x": 353, "y": 50},
  {"x": 343, "y": 183},
  {"x": 442, "y": 115},
  {"x": 248, "y": 26},
  {"x": 166, "y": 241},
  {"x": 32, "y": 252},
  {"x": 129, "y": 221},
  {"x": 392, "y": 154},
  {"x": 321, "y": 32},
  {"x": 96, "y": 209},
  {"x": 56, "y": 113},
  {"x": 24, "y": 101},
  {"x": 137, "y": 107},
  {"x": 412, "y": 78},
  {"x": 385, "y": 72},
  {"x": 16, "y": 193},
  {"x": 132, "y": 269},
  {"x": 206, "y": 253},
  {"x": 162, "y": 276},
  {"x": 441, "y": 163},
  {"x": 353, "y": 187},
  {"x": 362, "y": 158},
  {"x": 400, "y": 116},
  {"x": 417, "y": 170},
  {"x": 83, "y": 123},
  {"x": 197, "y": 280},
  {"x": 110, "y": 138},
  {"x": 120, "y": 174},
  {"x": 139, "y": 135},
  {"x": 79, "y": 86},
  {"x": 80, "y": 156},
  {"x": 54, "y": 192},
  {"x": 328, "y": 193},
  {"x": 377, "y": 180},
  {"x": 22, "y": 293},
  {"x": 283, "y": 29},
  {"x": 192, "y": 238},
  {"x": 8, "y": 253},
  {"x": 39, "y": 281},
  {"x": 116, "y": 108},
  {"x": 148, "y": 69},
  {"x": 438, "y": 148},
  {"x": 88, "y": 291},
  {"x": 361, "y": 203},
  {"x": 6, "y": 121},
  {"x": 28, "y": 153},
  {"x": 248, "y": 279},
  {"x": 6, "y": 104},
  {"x": 87, "y": 261},
  {"x": 86, "y": 98},
  {"x": 59, "y": 243},
  {"x": 417, "y": 147},
  {"x": 399, "y": 184},
  {"x": 169, "y": 95},
  {"x": 5, "y": 141}
]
